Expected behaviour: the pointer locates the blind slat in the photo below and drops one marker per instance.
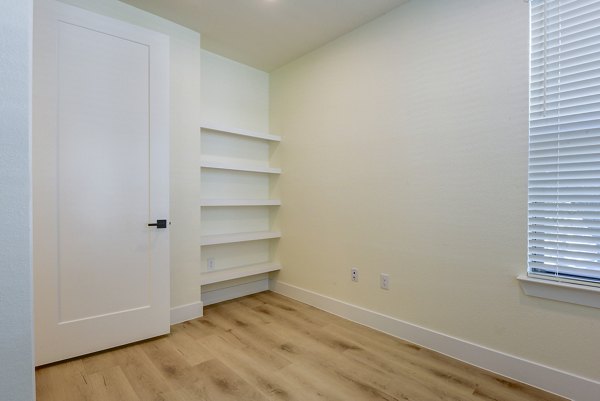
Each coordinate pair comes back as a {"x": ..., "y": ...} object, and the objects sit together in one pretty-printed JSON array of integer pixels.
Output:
[
  {"x": 580, "y": 274},
  {"x": 585, "y": 209},
  {"x": 563, "y": 136},
  {"x": 554, "y": 222},
  {"x": 541, "y": 252},
  {"x": 566, "y": 262},
  {"x": 565, "y": 238},
  {"x": 555, "y": 245},
  {"x": 550, "y": 162}
]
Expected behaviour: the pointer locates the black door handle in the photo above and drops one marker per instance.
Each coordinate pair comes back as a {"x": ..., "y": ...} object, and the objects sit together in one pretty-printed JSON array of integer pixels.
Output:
[{"x": 159, "y": 224}]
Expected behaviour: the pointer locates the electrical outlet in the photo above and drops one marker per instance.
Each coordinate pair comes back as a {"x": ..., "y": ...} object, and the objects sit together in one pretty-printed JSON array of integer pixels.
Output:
[
  {"x": 354, "y": 273},
  {"x": 210, "y": 264},
  {"x": 384, "y": 281}
]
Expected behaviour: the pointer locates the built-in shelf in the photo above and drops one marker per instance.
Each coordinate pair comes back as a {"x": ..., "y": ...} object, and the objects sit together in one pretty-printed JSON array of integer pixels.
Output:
[
  {"x": 241, "y": 132},
  {"x": 238, "y": 237},
  {"x": 238, "y": 150},
  {"x": 239, "y": 167},
  {"x": 237, "y": 272},
  {"x": 240, "y": 202}
]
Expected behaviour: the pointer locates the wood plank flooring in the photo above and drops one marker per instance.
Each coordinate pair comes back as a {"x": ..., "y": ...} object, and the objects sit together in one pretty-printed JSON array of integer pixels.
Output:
[{"x": 269, "y": 347}]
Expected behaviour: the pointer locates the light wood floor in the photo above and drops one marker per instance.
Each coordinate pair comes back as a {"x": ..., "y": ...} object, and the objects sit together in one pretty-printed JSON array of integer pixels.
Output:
[{"x": 268, "y": 347}]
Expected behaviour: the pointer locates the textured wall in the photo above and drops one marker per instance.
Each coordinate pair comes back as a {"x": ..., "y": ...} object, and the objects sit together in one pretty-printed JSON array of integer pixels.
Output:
[
  {"x": 405, "y": 152},
  {"x": 16, "y": 336}
]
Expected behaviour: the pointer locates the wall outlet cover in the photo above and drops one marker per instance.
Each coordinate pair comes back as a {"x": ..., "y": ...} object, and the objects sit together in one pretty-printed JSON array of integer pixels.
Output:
[{"x": 384, "y": 281}]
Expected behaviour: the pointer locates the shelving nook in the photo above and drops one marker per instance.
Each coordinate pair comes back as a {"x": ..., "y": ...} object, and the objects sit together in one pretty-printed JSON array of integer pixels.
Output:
[{"x": 240, "y": 203}]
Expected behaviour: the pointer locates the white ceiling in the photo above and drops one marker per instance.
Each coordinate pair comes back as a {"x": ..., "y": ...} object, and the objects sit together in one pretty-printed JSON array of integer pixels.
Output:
[{"x": 267, "y": 34}]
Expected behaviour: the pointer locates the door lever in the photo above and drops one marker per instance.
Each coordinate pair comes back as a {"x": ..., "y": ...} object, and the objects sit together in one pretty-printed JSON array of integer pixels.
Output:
[{"x": 158, "y": 224}]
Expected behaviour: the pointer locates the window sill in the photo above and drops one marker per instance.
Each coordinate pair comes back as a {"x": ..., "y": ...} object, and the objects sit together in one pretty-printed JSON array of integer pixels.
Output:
[{"x": 559, "y": 291}]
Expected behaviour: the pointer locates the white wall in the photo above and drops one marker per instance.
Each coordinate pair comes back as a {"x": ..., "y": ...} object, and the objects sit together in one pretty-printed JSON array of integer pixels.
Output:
[
  {"x": 185, "y": 143},
  {"x": 16, "y": 335},
  {"x": 405, "y": 151},
  {"x": 234, "y": 94}
]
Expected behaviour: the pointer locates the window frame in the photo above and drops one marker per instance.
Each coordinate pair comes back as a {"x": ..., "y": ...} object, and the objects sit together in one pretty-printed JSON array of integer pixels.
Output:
[{"x": 560, "y": 288}]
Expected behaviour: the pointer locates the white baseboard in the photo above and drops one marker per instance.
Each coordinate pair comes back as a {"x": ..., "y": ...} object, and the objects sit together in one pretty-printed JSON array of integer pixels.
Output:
[
  {"x": 187, "y": 312},
  {"x": 540, "y": 376},
  {"x": 236, "y": 291}
]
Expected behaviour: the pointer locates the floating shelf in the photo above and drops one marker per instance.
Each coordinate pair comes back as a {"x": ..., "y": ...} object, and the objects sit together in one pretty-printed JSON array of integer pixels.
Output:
[
  {"x": 237, "y": 272},
  {"x": 238, "y": 237},
  {"x": 241, "y": 132},
  {"x": 239, "y": 167},
  {"x": 240, "y": 202},
  {"x": 230, "y": 161}
]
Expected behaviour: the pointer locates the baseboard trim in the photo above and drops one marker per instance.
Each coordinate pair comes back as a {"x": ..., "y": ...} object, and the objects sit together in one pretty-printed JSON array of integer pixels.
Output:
[
  {"x": 235, "y": 291},
  {"x": 546, "y": 378},
  {"x": 187, "y": 312}
]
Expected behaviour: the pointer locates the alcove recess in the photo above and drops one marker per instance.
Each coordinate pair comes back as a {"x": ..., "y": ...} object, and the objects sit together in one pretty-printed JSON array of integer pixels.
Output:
[{"x": 240, "y": 203}]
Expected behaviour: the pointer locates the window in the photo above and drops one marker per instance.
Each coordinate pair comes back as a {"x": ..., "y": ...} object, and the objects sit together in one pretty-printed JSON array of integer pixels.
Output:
[{"x": 564, "y": 141}]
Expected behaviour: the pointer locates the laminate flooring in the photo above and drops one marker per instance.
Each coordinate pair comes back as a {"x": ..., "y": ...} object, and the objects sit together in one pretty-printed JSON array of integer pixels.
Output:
[{"x": 269, "y": 347}]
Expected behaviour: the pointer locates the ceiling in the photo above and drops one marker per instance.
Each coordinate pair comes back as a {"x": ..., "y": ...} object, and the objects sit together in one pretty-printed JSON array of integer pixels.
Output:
[{"x": 267, "y": 34}]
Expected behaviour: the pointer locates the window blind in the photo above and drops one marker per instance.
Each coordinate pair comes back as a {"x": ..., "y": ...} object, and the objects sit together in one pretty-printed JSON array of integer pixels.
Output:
[{"x": 564, "y": 140}]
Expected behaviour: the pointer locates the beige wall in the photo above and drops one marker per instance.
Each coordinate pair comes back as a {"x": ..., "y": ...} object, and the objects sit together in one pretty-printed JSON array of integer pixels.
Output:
[
  {"x": 405, "y": 151},
  {"x": 185, "y": 143}
]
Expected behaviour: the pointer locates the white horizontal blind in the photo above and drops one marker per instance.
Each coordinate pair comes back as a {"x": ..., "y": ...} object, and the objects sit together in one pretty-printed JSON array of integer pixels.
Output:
[{"x": 564, "y": 140}]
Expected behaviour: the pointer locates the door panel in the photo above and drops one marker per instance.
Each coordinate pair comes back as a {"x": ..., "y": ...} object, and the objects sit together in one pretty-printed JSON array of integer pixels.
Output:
[{"x": 100, "y": 152}]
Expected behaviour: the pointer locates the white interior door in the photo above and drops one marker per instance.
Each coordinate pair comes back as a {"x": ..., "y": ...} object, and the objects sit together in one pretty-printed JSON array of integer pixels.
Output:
[{"x": 100, "y": 176}]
